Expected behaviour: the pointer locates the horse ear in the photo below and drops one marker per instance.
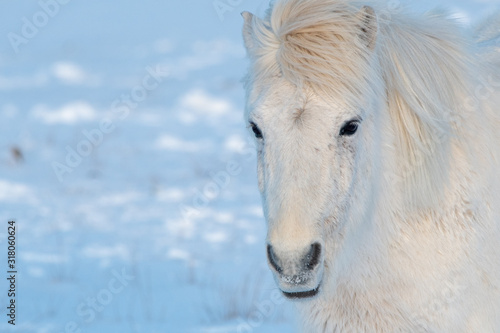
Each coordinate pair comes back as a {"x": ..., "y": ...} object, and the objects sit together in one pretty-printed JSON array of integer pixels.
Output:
[
  {"x": 369, "y": 26},
  {"x": 248, "y": 30}
]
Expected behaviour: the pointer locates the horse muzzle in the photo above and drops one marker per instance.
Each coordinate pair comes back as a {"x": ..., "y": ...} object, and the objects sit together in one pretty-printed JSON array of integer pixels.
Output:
[{"x": 298, "y": 274}]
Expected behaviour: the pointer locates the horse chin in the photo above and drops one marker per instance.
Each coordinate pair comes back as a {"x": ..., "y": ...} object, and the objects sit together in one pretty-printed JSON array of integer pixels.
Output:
[{"x": 304, "y": 295}]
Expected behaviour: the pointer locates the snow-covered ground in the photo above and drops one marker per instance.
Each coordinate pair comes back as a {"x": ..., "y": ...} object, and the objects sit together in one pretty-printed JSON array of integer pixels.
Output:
[{"x": 127, "y": 166}]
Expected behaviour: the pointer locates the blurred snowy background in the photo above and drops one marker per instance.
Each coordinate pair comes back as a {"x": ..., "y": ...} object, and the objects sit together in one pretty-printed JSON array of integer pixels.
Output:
[{"x": 127, "y": 166}]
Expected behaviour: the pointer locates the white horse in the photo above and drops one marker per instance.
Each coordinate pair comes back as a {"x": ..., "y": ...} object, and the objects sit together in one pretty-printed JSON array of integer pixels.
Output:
[{"x": 378, "y": 136}]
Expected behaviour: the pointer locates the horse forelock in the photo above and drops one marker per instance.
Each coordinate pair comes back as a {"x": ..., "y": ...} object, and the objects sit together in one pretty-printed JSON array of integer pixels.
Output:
[{"x": 312, "y": 44}]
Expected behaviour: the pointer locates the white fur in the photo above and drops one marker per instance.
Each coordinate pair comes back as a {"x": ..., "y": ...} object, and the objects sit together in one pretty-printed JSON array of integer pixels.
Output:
[{"x": 407, "y": 209}]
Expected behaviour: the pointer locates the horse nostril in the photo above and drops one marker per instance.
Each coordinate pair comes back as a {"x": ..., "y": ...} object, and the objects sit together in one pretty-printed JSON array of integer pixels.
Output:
[
  {"x": 273, "y": 260},
  {"x": 312, "y": 258}
]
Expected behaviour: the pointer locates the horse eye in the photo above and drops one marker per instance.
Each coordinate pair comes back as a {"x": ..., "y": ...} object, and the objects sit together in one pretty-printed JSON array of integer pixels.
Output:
[
  {"x": 256, "y": 130},
  {"x": 350, "y": 128}
]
